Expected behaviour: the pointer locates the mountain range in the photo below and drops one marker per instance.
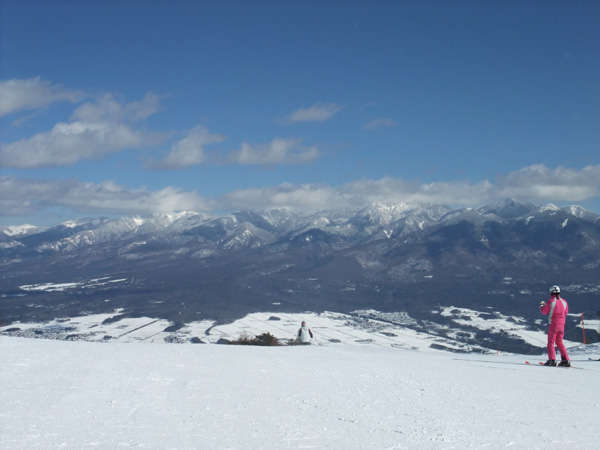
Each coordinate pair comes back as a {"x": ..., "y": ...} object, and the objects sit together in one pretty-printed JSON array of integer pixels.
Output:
[{"x": 190, "y": 266}]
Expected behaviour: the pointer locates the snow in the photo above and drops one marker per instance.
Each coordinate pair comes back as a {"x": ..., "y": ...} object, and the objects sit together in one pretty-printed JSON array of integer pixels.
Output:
[
  {"x": 550, "y": 207},
  {"x": 362, "y": 328},
  {"x": 590, "y": 324},
  {"x": 580, "y": 212},
  {"x": 70, "y": 224},
  {"x": 19, "y": 230},
  {"x": 382, "y": 213},
  {"x": 48, "y": 287},
  {"x": 76, "y": 395},
  {"x": 98, "y": 327},
  {"x": 138, "y": 221},
  {"x": 10, "y": 244},
  {"x": 59, "y": 287},
  {"x": 171, "y": 217},
  {"x": 499, "y": 323},
  {"x": 374, "y": 221}
]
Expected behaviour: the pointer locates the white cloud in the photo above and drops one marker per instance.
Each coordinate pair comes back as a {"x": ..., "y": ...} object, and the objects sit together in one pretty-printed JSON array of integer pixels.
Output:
[
  {"x": 33, "y": 93},
  {"x": 533, "y": 183},
  {"x": 536, "y": 183},
  {"x": 23, "y": 196},
  {"x": 559, "y": 184},
  {"x": 190, "y": 150},
  {"x": 302, "y": 197},
  {"x": 278, "y": 151},
  {"x": 108, "y": 109},
  {"x": 319, "y": 112},
  {"x": 357, "y": 194},
  {"x": 380, "y": 123},
  {"x": 94, "y": 130}
]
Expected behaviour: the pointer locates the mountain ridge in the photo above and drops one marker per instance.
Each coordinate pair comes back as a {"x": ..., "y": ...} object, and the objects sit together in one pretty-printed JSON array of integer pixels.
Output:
[{"x": 189, "y": 266}]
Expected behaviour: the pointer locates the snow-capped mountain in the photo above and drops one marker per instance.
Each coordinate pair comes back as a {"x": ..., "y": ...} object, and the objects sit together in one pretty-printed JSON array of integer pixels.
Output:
[
  {"x": 6, "y": 242},
  {"x": 373, "y": 222},
  {"x": 389, "y": 257},
  {"x": 20, "y": 230},
  {"x": 87, "y": 233}
]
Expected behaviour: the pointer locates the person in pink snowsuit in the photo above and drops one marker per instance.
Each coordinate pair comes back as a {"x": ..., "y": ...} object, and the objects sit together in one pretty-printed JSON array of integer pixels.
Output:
[{"x": 556, "y": 309}]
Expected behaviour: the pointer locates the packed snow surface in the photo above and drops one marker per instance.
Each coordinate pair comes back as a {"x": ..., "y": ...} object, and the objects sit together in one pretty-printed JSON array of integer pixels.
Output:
[{"x": 75, "y": 395}]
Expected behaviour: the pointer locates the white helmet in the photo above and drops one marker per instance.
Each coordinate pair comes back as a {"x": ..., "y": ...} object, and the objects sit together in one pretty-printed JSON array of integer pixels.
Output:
[{"x": 555, "y": 290}]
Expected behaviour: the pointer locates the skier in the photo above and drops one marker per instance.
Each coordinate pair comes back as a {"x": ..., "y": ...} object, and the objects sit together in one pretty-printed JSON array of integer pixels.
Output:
[
  {"x": 304, "y": 334},
  {"x": 557, "y": 309}
]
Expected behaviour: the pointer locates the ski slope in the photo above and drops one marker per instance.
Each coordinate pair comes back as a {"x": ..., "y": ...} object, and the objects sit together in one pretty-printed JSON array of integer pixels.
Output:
[{"x": 77, "y": 395}]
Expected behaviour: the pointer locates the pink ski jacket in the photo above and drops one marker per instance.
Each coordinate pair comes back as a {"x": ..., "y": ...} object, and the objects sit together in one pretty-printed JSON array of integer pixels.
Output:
[{"x": 557, "y": 310}]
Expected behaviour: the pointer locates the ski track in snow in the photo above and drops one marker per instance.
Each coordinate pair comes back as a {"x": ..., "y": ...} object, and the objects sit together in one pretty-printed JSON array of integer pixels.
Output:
[{"x": 75, "y": 395}]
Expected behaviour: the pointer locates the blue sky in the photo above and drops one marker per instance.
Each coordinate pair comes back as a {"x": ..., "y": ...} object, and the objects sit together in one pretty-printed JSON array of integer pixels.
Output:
[{"x": 131, "y": 108}]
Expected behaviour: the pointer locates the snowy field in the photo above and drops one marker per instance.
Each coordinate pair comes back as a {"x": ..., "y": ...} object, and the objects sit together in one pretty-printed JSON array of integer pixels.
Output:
[
  {"x": 456, "y": 331},
  {"x": 362, "y": 327},
  {"x": 60, "y": 287},
  {"x": 77, "y": 395},
  {"x": 367, "y": 327},
  {"x": 499, "y": 323}
]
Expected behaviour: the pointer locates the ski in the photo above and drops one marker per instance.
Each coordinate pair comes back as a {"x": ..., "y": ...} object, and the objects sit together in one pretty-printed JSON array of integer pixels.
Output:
[
  {"x": 528, "y": 363},
  {"x": 541, "y": 364}
]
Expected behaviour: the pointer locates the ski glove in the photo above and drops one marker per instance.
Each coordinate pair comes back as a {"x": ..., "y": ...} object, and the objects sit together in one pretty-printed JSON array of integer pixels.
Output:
[{"x": 542, "y": 304}]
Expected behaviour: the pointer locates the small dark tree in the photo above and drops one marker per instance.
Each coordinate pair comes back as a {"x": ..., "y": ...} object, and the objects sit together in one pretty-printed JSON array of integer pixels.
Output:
[{"x": 266, "y": 339}]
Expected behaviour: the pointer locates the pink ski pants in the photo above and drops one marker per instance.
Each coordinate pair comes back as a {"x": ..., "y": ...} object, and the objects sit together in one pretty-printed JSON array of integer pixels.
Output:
[{"x": 556, "y": 335}]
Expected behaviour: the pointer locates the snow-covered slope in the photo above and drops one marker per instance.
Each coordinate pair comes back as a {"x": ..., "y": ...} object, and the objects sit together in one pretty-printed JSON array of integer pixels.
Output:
[
  {"x": 362, "y": 327},
  {"x": 96, "y": 231},
  {"x": 76, "y": 395}
]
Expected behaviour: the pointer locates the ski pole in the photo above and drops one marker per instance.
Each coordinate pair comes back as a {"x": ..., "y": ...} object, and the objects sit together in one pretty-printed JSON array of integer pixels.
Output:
[{"x": 583, "y": 328}]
